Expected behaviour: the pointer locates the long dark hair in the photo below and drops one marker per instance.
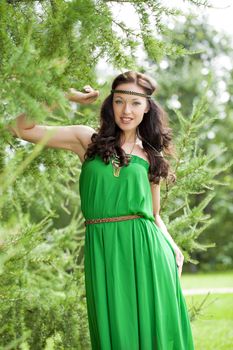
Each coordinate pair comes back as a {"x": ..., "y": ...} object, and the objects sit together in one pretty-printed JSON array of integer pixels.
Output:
[{"x": 153, "y": 130}]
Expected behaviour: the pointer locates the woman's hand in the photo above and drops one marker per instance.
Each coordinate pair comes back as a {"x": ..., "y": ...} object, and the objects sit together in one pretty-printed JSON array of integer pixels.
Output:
[
  {"x": 179, "y": 259},
  {"x": 89, "y": 96}
]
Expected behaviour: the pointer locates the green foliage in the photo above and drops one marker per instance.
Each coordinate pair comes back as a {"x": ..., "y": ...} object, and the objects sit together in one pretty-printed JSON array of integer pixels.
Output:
[
  {"x": 183, "y": 81},
  {"x": 185, "y": 201},
  {"x": 42, "y": 286}
]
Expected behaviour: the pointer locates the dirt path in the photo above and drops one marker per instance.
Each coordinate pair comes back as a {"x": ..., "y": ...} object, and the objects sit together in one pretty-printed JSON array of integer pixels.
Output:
[{"x": 196, "y": 291}]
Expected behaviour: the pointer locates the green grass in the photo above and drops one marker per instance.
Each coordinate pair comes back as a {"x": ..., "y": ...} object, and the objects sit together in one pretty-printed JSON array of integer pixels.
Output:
[
  {"x": 213, "y": 326},
  {"x": 207, "y": 280}
]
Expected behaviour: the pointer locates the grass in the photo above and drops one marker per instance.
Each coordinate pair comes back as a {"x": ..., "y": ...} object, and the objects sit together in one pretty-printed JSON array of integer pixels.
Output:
[
  {"x": 207, "y": 280},
  {"x": 213, "y": 326}
]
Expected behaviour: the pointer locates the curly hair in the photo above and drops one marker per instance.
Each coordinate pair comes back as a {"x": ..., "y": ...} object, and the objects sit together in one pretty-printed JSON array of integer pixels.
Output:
[{"x": 153, "y": 131}]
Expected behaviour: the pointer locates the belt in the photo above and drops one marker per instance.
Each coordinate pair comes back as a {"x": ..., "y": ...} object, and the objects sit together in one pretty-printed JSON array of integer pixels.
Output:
[{"x": 116, "y": 218}]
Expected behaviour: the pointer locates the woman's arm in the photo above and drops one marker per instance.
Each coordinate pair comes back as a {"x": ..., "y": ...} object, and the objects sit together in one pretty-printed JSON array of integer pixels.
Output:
[
  {"x": 72, "y": 137},
  {"x": 159, "y": 222},
  {"x": 155, "y": 191}
]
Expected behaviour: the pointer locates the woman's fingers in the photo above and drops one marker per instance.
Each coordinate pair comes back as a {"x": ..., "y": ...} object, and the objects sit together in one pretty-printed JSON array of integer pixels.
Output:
[
  {"x": 88, "y": 88},
  {"x": 180, "y": 270},
  {"x": 179, "y": 260},
  {"x": 87, "y": 95},
  {"x": 91, "y": 95}
]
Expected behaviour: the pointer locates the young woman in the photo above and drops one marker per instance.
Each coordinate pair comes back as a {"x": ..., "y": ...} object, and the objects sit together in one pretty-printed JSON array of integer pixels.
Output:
[{"x": 132, "y": 264}]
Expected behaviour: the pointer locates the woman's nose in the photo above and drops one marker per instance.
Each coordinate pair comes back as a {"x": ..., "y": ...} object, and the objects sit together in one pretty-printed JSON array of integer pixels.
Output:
[{"x": 127, "y": 108}]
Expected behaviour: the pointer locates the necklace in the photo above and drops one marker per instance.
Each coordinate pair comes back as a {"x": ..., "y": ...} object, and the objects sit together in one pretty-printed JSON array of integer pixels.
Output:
[{"x": 116, "y": 161}]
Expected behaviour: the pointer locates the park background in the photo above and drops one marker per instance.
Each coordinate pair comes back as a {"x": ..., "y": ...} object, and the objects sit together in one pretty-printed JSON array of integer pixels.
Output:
[{"x": 50, "y": 46}]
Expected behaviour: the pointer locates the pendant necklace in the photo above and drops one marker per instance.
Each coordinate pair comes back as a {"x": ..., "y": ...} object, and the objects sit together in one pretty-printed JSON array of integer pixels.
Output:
[{"x": 116, "y": 161}]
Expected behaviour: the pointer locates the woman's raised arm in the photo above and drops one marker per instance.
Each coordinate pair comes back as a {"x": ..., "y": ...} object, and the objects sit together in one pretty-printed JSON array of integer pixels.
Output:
[{"x": 72, "y": 137}]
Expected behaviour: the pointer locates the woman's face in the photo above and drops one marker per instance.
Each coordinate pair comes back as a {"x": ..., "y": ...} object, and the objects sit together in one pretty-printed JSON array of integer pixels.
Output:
[{"x": 129, "y": 109}]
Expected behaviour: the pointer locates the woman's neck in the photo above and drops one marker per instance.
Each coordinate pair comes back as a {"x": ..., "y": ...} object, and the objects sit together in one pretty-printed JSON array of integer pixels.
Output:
[{"x": 129, "y": 138}]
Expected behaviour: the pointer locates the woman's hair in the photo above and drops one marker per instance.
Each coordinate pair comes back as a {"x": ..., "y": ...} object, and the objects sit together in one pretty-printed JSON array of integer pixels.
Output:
[{"x": 153, "y": 130}]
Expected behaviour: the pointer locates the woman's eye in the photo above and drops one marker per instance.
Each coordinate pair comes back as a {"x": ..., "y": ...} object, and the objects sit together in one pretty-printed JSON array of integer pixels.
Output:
[{"x": 134, "y": 103}]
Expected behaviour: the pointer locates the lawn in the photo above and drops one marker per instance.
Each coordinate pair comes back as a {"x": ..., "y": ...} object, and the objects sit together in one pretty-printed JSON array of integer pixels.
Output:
[
  {"x": 213, "y": 326},
  {"x": 207, "y": 280}
]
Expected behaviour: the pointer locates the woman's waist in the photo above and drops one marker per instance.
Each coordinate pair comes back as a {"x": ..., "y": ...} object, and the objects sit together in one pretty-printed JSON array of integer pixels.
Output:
[{"x": 113, "y": 219}]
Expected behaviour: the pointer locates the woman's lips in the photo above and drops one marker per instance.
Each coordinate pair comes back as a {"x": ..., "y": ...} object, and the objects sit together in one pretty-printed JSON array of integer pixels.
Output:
[{"x": 126, "y": 120}]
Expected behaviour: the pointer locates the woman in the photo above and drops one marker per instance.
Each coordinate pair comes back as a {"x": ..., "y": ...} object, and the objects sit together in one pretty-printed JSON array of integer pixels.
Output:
[{"x": 132, "y": 264}]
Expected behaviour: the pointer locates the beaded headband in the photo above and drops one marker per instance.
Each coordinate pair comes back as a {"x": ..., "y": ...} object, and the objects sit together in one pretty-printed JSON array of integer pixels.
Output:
[{"x": 131, "y": 93}]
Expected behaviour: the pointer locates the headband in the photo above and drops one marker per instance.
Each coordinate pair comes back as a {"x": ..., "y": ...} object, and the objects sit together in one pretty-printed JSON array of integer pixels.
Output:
[{"x": 131, "y": 93}]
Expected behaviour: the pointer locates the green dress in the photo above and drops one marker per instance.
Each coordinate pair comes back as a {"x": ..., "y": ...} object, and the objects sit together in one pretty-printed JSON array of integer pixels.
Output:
[{"x": 133, "y": 291}]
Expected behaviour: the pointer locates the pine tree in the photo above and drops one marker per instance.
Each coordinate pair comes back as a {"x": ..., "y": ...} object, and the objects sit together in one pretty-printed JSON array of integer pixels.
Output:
[{"x": 184, "y": 80}]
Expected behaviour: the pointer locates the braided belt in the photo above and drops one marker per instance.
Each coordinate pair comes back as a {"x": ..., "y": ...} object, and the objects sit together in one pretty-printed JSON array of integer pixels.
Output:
[{"x": 116, "y": 218}]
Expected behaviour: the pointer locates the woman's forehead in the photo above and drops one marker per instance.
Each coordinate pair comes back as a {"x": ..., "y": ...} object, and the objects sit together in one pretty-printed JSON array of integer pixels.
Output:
[
  {"x": 130, "y": 87},
  {"x": 121, "y": 92},
  {"x": 126, "y": 97}
]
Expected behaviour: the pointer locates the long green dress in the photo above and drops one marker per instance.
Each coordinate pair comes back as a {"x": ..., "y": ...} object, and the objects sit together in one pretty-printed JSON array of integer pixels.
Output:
[{"x": 133, "y": 291}]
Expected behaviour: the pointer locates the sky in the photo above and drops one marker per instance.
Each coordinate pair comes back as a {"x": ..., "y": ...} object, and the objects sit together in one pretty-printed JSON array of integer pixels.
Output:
[{"x": 220, "y": 16}]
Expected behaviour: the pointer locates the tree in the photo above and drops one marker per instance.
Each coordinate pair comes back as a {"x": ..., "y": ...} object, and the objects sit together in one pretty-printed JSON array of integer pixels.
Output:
[{"x": 185, "y": 80}]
